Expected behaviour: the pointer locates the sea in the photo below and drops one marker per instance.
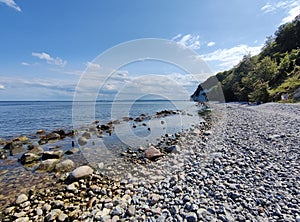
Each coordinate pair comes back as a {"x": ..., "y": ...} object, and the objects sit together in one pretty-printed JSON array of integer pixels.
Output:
[{"x": 26, "y": 117}]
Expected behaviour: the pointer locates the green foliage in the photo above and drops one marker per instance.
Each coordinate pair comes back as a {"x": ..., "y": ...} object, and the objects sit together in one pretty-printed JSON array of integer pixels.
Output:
[{"x": 266, "y": 76}]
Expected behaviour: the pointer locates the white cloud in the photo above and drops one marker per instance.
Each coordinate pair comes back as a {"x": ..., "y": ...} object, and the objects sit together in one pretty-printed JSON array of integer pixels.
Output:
[
  {"x": 12, "y": 4},
  {"x": 91, "y": 65},
  {"x": 291, "y": 14},
  {"x": 188, "y": 40},
  {"x": 50, "y": 60},
  {"x": 25, "y": 64},
  {"x": 2, "y": 86},
  {"x": 290, "y": 7},
  {"x": 227, "y": 58},
  {"x": 211, "y": 44}
]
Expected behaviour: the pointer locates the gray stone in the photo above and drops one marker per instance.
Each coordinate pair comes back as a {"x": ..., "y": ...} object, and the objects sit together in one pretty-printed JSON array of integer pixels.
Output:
[
  {"x": 64, "y": 166},
  {"x": 72, "y": 187},
  {"x": 62, "y": 217},
  {"x": 38, "y": 211},
  {"x": 82, "y": 141},
  {"x": 21, "y": 199},
  {"x": 47, "y": 165},
  {"x": 28, "y": 158},
  {"x": 118, "y": 210},
  {"x": 191, "y": 217},
  {"x": 81, "y": 172},
  {"x": 53, "y": 214},
  {"x": 131, "y": 210},
  {"x": 173, "y": 149}
]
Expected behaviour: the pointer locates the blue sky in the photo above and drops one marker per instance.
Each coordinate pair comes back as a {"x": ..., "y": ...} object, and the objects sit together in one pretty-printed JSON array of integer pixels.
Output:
[{"x": 46, "y": 45}]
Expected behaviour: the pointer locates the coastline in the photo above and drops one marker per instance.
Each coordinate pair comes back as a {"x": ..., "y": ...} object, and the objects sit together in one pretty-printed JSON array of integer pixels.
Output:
[{"x": 242, "y": 164}]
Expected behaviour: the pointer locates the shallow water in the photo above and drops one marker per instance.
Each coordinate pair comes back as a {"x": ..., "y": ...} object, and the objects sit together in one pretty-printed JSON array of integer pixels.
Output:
[{"x": 25, "y": 118}]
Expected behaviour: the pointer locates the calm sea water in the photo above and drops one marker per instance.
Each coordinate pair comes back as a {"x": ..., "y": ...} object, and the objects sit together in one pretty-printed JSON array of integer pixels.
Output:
[{"x": 25, "y": 118}]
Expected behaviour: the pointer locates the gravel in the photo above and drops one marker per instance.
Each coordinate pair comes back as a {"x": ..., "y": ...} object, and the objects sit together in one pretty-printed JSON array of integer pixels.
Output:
[{"x": 242, "y": 164}]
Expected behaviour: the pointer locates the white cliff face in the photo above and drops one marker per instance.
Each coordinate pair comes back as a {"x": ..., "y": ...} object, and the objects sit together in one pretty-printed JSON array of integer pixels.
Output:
[{"x": 199, "y": 95}]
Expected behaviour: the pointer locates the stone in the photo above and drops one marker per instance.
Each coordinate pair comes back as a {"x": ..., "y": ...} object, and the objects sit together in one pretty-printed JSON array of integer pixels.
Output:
[
  {"x": 53, "y": 214},
  {"x": 40, "y": 131},
  {"x": 53, "y": 136},
  {"x": 38, "y": 211},
  {"x": 82, "y": 141},
  {"x": 298, "y": 218},
  {"x": 130, "y": 211},
  {"x": 87, "y": 135},
  {"x": 46, "y": 207},
  {"x": 173, "y": 149},
  {"x": 22, "y": 219},
  {"x": 64, "y": 166},
  {"x": 21, "y": 199},
  {"x": 81, "y": 172},
  {"x": 47, "y": 165},
  {"x": 28, "y": 158},
  {"x": 72, "y": 151},
  {"x": 72, "y": 187},
  {"x": 152, "y": 153},
  {"x": 207, "y": 133},
  {"x": 62, "y": 217},
  {"x": 118, "y": 210},
  {"x": 13, "y": 145},
  {"x": 52, "y": 154},
  {"x": 191, "y": 217},
  {"x": 38, "y": 150},
  {"x": 154, "y": 198}
]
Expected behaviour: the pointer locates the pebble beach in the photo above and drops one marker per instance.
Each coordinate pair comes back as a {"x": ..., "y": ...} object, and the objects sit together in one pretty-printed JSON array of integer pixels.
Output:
[{"x": 241, "y": 163}]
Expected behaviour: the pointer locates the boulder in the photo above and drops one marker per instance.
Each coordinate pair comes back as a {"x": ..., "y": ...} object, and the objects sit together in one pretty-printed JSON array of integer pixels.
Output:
[
  {"x": 72, "y": 151},
  {"x": 52, "y": 154},
  {"x": 28, "y": 158},
  {"x": 152, "y": 153},
  {"x": 13, "y": 145},
  {"x": 53, "y": 136},
  {"x": 64, "y": 166},
  {"x": 81, "y": 172},
  {"x": 48, "y": 165}
]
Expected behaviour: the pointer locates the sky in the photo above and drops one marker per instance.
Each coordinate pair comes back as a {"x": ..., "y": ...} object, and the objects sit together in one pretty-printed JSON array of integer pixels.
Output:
[{"x": 46, "y": 46}]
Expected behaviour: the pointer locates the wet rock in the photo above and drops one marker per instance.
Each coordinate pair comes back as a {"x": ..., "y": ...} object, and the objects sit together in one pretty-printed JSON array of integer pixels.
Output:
[
  {"x": 152, "y": 153},
  {"x": 52, "y": 154},
  {"x": 72, "y": 151},
  {"x": 28, "y": 158},
  {"x": 3, "y": 154},
  {"x": 82, "y": 141},
  {"x": 53, "y": 136},
  {"x": 81, "y": 172},
  {"x": 48, "y": 165},
  {"x": 21, "y": 199},
  {"x": 87, "y": 135},
  {"x": 40, "y": 131},
  {"x": 38, "y": 150},
  {"x": 61, "y": 133},
  {"x": 64, "y": 166}
]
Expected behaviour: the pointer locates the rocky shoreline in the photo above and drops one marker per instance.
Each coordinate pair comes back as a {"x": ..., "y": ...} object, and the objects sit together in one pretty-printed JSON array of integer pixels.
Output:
[{"x": 242, "y": 164}]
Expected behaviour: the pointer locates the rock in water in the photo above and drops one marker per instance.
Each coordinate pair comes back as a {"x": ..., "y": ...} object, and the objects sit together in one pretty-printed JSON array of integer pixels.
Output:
[
  {"x": 48, "y": 165},
  {"x": 53, "y": 136},
  {"x": 82, "y": 141},
  {"x": 28, "y": 158},
  {"x": 72, "y": 151},
  {"x": 52, "y": 155},
  {"x": 64, "y": 166},
  {"x": 81, "y": 172},
  {"x": 152, "y": 153}
]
